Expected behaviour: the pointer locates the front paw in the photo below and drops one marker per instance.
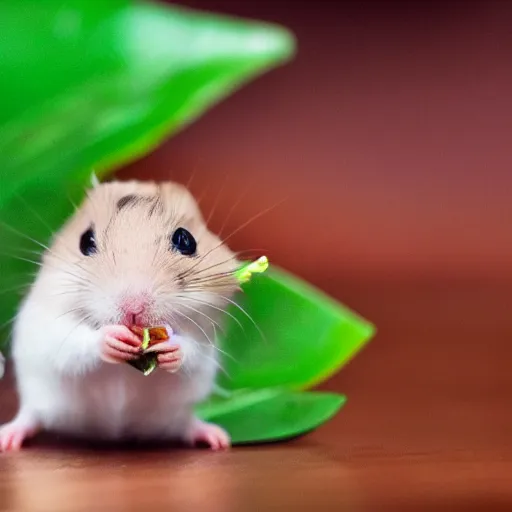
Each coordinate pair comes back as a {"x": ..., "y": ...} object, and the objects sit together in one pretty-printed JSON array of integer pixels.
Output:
[
  {"x": 119, "y": 344},
  {"x": 169, "y": 356}
]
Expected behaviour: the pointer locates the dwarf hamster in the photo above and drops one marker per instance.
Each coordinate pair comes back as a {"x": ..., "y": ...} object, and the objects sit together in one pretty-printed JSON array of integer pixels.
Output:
[{"x": 133, "y": 254}]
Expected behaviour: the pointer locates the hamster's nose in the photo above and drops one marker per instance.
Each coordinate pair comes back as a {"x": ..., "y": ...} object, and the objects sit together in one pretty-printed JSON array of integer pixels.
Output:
[{"x": 133, "y": 309}]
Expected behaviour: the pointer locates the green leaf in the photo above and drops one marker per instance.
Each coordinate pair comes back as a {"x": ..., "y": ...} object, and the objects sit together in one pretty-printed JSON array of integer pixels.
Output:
[
  {"x": 91, "y": 85},
  {"x": 287, "y": 333},
  {"x": 263, "y": 415}
]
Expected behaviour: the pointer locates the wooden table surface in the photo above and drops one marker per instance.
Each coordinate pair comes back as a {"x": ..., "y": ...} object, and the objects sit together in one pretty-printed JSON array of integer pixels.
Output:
[{"x": 427, "y": 427}]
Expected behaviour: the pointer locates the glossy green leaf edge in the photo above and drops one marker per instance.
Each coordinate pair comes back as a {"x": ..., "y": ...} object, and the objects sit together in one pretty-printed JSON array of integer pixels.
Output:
[
  {"x": 271, "y": 415},
  {"x": 288, "y": 356},
  {"x": 280, "y": 48},
  {"x": 353, "y": 331}
]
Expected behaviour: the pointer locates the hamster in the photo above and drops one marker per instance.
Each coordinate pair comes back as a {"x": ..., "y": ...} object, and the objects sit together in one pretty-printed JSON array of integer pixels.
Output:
[{"x": 133, "y": 254}]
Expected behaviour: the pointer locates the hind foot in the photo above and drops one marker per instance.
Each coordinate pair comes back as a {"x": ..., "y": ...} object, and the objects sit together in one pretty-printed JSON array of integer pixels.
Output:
[
  {"x": 13, "y": 434},
  {"x": 214, "y": 436}
]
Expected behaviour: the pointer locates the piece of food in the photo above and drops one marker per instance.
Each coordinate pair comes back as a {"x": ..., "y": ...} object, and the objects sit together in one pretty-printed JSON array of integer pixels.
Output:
[
  {"x": 245, "y": 273},
  {"x": 153, "y": 335},
  {"x": 147, "y": 362}
]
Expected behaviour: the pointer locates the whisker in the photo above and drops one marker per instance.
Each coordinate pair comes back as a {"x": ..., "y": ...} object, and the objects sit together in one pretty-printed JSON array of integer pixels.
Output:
[
  {"x": 40, "y": 264},
  {"x": 234, "y": 257},
  {"x": 43, "y": 246},
  {"x": 213, "y": 322},
  {"x": 244, "y": 225},
  {"x": 186, "y": 273},
  {"x": 191, "y": 178},
  {"x": 205, "y": 303},
  {"x": 73, "y": 204},
  {"x": 11, "y": 289},
  {"x": 218, "y": 364},
  {"x": 232, "y": 209},
  {"x": 74, "y": 310},
  {"x": 8, "y": 323},
  {"x": 196, "y": 324},
  {"x": 253, "y": 218},
  {"x": 30, "y": 251},
  {"x": 23, "y": 235},
  {"x": 211, "y": 277},
  {"x": 72, "y": 288},
  {"x": 200, "y": 199},
  {"x": 76, "y": 276},
  {"x": 224, "y": 353},
  {"x": 217, "y": 199},
  {"x": 216, "y": 286},
  {"x": 227, "y": 299},
  {"x": 21, "y": 258}
]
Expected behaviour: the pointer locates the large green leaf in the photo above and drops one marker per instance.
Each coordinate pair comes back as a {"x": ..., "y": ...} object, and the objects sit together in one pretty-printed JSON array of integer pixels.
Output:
[
  {"x": 90, "y": 84},
  {"x": 288, "y": 333},
  {"x": 271, "y": 414}
]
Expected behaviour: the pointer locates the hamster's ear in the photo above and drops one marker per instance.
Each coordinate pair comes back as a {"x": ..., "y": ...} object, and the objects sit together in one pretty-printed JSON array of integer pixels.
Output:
[{"x": 95, "y": 182}]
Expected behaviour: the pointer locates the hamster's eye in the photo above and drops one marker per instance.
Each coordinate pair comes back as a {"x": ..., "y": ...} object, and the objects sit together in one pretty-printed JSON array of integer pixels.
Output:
[
  {"x": 88, "y": 243},
  {"x": 184, "y": 242}
]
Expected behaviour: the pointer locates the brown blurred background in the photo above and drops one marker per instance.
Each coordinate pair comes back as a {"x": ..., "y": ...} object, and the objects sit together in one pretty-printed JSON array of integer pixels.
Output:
[{"x": 389, "y": 136}]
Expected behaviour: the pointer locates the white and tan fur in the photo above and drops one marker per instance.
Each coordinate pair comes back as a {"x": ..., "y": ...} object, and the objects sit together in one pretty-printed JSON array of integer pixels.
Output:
[{"x": 64, "y": 379}]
